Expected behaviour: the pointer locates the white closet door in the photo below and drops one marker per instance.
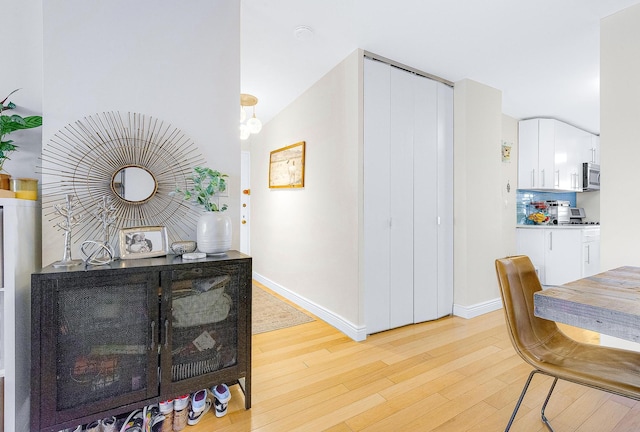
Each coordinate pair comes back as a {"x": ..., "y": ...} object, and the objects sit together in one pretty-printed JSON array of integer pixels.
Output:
[
  {"x": 401, "y": 197},
  {"x": 425, "y": 200},
  {"x": 376, "y": 194},
  {"x": 445, "y": 200}
]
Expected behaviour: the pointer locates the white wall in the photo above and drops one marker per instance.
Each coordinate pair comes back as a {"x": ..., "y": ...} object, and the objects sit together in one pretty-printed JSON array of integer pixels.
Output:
[
  {"x": 620, "y": 137},
  {"x": 508, "y": 186},
  {"x": 304, "y": 242},
  {"x": 175, "y": 62},
  {"x": 478, "y": 221},
  {"x": 21, "y": 67}
]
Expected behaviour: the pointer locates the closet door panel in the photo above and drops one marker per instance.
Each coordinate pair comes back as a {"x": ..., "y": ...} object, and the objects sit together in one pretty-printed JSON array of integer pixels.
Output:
[
  {"x": 425, "y": 198},
  {"x": 445, "y": 200},
  {"x": 401, "y": 197},
  {"x": 376, "y": 195}
]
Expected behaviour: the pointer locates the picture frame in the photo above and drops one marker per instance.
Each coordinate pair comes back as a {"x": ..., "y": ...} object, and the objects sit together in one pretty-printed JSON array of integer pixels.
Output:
[
  {"x": 143, "y": 242},
  {"x": 286, "y": 166}
]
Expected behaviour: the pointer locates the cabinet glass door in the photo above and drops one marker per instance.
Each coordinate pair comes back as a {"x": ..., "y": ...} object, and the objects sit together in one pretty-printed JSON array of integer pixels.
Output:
[
  {"x": 204, "y": 315},
  {"x": 103, "y": 343}
]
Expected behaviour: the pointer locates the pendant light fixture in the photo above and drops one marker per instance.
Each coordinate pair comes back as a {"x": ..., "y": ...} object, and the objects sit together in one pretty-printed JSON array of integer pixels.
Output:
[{"x": 252, "y": 125}]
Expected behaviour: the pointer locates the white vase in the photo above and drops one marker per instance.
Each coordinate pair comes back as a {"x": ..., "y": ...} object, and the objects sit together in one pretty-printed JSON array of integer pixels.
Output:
[{"x": 214, "y": 233}]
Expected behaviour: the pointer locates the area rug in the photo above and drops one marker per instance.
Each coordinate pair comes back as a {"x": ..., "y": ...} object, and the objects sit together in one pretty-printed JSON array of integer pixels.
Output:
[{"x": 270, "y": 313}]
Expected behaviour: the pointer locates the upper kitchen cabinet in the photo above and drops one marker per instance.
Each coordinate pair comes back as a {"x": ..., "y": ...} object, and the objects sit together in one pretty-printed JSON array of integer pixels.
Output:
[
  {"x": 591, "y": 152},
  {"x": 551, "y": 154}
]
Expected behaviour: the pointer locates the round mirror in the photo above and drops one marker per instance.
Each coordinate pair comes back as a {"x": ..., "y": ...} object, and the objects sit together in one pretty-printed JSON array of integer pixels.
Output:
[{"x": 134, "y": 184}]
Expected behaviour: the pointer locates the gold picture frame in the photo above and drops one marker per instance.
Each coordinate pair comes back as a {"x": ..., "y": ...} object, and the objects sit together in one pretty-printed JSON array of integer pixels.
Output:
[{"x": 286, "y": 166}]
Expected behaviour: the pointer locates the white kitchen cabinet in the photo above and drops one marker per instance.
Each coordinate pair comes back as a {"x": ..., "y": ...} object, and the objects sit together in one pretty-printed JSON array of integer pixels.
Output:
[
  {"x": 558, "y": 253},
  {"x": 551, "y": 154},
  {"x": 408, "y": 181},
  {"x": 590, "y": 251},
  {"x": 21, "y": 256},
  {"x": 591, "y": 150}
]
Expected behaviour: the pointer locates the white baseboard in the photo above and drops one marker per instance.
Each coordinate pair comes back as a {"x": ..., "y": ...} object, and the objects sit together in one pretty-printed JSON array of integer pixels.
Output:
[
  {"x": 357, "y": 333},
  {"x": 477, "y": 309}
]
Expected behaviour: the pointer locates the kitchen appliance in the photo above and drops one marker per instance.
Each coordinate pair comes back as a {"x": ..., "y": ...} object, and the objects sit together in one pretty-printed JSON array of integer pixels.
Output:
[
  {"x": 558, "y": 211},
  {"x": 577, "y": 216},
  {"x": 590, "y": 176}
]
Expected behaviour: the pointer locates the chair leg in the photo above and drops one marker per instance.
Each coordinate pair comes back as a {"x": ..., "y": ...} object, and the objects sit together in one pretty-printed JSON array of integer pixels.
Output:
[
  {"x": 521, "y": 398},
  {"x": 544, "y": 418}
]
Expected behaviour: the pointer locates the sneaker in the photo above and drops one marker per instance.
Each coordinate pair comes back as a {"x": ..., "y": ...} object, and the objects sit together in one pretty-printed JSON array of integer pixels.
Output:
[
  {"x": 167, "y": 424},
  {"x": 195, "y": 416},
  {"x": 93, "y": 426},
  {"x": 222, "y": 398},
  {"x": 108, "y": 424},
  {"x": 134, "y": 422},
  {"x": 198, "y": 401}
]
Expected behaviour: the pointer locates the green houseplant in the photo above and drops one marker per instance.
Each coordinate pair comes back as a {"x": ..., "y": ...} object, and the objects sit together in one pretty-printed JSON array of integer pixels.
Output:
[
  {"x": 207, "y": 183},
  {"x": 12, "y": 123},
  {"x": 214, "y": 229}
]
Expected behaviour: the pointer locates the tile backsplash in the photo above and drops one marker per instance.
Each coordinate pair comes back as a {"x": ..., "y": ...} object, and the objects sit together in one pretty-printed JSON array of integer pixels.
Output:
[{"x": 524, "y": 197}]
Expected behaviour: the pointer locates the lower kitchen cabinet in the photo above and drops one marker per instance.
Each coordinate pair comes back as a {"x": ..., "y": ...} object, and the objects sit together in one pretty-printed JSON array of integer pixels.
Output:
[
  {"x": 559, "y": 254},
  {"x": 110, "y": 339}
]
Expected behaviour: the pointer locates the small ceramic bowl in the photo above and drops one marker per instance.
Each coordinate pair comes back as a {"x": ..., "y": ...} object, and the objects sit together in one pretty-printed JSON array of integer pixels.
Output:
[{"x": 182, "y": 247}]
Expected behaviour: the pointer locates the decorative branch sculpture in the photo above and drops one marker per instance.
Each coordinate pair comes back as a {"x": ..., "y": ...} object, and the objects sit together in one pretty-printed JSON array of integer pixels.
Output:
[{"x": 70, "y": 220}]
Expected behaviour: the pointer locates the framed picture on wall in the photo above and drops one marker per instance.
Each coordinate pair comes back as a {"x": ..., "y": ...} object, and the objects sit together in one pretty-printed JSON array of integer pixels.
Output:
[
  {"x": 286, "y": 167},
  {"x": 143, "y": 242}
]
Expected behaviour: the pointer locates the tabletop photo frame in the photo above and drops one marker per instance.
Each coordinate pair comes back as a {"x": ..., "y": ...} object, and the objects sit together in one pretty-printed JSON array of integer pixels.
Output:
[{"x": 143, "y": 242}]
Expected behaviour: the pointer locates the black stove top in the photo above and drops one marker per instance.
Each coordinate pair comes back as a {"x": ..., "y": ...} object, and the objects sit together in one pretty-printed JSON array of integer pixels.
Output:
[{"x": 583, "y": 223}]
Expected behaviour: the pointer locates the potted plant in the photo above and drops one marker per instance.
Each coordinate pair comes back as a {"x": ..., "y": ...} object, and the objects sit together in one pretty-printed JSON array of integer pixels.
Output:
[
  {"x": 214, "y": 230},
  {"x": 12, "y": 123}
]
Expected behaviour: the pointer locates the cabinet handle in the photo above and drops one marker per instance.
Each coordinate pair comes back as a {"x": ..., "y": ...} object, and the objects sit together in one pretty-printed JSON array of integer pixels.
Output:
[
  {"x": 588, "y": 255},
  {"x": 533, "y": 178},
  {"x": 556, "y": 180},
  {"x": 166, "y": 333},
  {"x": 153, "y": 335},
  {"x": 550, "y": 241},
  {"x": 542, "y": 178}
]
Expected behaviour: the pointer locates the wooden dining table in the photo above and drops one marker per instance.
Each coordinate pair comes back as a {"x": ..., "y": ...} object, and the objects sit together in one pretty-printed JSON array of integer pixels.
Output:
[{"x": 608, "y": 303}]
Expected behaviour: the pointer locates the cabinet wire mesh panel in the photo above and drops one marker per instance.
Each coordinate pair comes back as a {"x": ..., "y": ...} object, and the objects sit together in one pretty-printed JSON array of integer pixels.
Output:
[
  {"x": 204, "y": 321},
  {"x": 103, "y": 342}
]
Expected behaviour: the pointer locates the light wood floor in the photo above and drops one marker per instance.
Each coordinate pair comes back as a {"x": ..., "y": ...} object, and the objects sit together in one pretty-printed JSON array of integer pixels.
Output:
[{"x": 449, "y": 375}]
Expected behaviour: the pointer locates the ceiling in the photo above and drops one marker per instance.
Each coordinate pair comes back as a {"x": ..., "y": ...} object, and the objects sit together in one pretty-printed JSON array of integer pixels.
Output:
[{"x": 542, "y": 55}]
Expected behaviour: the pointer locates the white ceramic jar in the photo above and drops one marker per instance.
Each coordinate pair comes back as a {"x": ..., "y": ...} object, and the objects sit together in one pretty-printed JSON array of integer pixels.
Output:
[{"x": 214, "y": 233}]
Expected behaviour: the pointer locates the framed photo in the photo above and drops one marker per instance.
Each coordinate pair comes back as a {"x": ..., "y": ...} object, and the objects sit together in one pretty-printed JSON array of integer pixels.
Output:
[
  {"x": 286, "y": 167},
  {"x": 143, "y": 242}
]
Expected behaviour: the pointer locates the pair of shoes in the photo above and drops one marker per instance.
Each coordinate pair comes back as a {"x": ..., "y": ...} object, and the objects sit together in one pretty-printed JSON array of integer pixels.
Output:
[
  {"x": 104, "y": 425},
  {"x": 200, "y": 404},
  {"x": 222, "y": 397}
]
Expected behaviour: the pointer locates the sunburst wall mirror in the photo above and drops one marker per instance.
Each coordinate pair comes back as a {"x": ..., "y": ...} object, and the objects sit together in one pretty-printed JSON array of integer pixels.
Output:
[{"x": 135, "y": 161}]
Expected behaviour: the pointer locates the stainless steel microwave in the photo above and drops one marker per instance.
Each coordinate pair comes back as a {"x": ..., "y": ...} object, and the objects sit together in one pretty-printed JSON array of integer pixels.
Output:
[{"x": 590, "y": 176}]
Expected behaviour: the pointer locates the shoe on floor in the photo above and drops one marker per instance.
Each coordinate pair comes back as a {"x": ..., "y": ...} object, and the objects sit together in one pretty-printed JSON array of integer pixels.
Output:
[
  {"x": 198, "y": 400},
  {"x": 222, "y": 398},
  {"x": 196, "y": 416}
]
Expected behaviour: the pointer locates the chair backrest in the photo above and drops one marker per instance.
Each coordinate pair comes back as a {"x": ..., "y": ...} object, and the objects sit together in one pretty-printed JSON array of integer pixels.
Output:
[{"x": 518, "y": 281}]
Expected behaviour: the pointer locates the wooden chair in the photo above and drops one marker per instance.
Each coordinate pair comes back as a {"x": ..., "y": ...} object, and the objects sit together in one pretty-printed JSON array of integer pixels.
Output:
[{"x": 541, "y": 343}]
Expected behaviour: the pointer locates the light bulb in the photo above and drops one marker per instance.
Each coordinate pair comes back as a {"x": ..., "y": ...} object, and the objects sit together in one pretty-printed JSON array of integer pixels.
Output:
[
  {"x": 254, "y": 125},
  {"x": 244, "y": 132},
  {"x": 243, "y": 114}
]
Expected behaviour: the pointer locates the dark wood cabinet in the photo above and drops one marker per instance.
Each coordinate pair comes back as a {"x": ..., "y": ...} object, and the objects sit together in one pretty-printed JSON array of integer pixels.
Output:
[{"x": 109, "y": 339}]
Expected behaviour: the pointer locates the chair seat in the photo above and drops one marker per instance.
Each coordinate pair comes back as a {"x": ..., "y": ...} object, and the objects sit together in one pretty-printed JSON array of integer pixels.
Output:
[{"x": 611, "y": 369}]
